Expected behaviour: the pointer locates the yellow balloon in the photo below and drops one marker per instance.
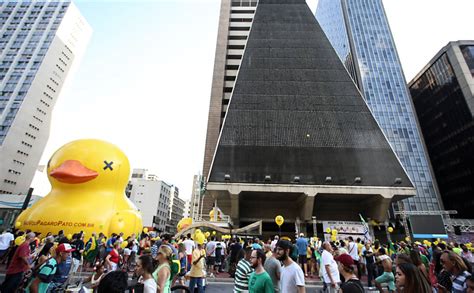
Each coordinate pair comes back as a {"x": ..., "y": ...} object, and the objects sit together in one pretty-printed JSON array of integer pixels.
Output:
[
  {"x": 279, "y": 220},
  {"x": 213, "y": 232},
  {"x": 334, "y": 232},
  {"x": 390, "y": 229},
  {"x": 207, "y": 234},
  {"x": 333, "y": 238},
  {"x": 69, "y": 236},
  {"x": 184, "y": 223},
  {"x": 328, "y": 230},
  {"x": 436, "y": 242},
  {"x": 86, "y": 176},
  {"x": 199, "y": 238},
  {"x": 145, "y": 230},
  {"x": 124, "y": 244},
  {"x": 19, "y": 240},
  {"x": 18, "y": 224}
]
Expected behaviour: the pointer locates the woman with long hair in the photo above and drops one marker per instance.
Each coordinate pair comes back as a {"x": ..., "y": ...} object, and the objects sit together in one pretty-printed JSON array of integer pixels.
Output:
[
  {"x": 416, "y": 259},
  {"x": 145, "y": 269},
  {"x": 409, "y": 279},
  {"x": 162, "y": 274},
  {"x": 455, "y": 265}
]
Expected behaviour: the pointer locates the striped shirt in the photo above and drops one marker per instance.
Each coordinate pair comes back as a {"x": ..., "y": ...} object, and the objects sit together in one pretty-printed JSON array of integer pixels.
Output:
[
  {"x": 459, "y": 283},
  {"x": 242, "y": 274}
]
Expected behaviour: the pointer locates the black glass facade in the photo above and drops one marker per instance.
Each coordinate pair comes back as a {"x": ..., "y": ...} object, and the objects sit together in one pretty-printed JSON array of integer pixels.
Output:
[{"x": 448, "y": 128}]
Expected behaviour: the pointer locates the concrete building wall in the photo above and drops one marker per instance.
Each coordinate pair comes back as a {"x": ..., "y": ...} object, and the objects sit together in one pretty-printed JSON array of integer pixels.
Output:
[{"x": 46, "y": 59}]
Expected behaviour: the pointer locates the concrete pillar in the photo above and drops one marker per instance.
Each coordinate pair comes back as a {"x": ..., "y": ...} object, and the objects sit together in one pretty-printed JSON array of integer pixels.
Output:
[
  {"x": 235, "y": 208},
  {"x": 307, "y": 206}
]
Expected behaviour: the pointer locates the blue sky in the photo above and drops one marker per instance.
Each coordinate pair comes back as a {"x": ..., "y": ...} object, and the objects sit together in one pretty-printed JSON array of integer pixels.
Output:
[{"x": 144, "y": 82}]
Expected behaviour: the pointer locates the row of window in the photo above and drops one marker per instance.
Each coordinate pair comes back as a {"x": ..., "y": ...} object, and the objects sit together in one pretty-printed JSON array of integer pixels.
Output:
[
  {"x": 9, "y": 182},
  {"x": 11, "y": 171}
]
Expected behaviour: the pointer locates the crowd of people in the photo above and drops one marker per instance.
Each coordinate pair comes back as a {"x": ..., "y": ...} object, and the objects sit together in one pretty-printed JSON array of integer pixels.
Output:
[{"x": 156, "y": 263}]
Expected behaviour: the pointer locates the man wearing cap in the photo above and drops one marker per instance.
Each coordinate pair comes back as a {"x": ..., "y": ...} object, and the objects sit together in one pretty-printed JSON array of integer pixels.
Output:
[
  {"x": 352, "y": 284},
  {"x": 19, "y": 265},
  {"x": 291, "y": 276},
  {"x": 44, "y": 278},
  {"x": 329, "y": 267}
]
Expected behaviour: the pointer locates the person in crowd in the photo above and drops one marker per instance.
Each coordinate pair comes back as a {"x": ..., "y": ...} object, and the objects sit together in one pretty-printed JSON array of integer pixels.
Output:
[
  {"x": 145, "y": 270},
  {"x": 113, "y": 259},
  {"x": 369, "y": 257},
  {"x": 189, "y": 245},
  {"x": 292, "y": 277},
  {"x": 162, "y": 274},
  {"x": 45, "y": 251},
  {"x": 19, "y": 265},
  {"x": 302, "y": 245},
  {"x": 196, "y": 274},
  {"x": 113, "y": 282},
  {"x": 453, "y": 264},
  {"x": 353, "y": 251},
  {"x": 235, "y": 252},
  {"x": 43, "y": 282},
  {"x": 218, "y": 258},
  {"x": 78, "y": 245},
  {"x": 387, "y": 275},
  {"x": 94, "y": 279},
  {"x": 466, "y": 254},
  {"x": 351, "y": 284},
  {"x": 409, "y": 279},
  {"x": 91, "y": 250},
  {"x": 183, "y": 262},
  {"x": 256, "y": 244},
  {"x": 274, "y": 242},
  {"x": 211, "y": 257},
  {"x": 242, "y": 272},
  {"x": 6, "y": 239},
  {"x": 331, "y": 276},
  {"x": 416, "y": 260},
  {"x": 259, "y": 281},
  {"x": 273, "y": 267},
  {"x": 470, "y": 284}
]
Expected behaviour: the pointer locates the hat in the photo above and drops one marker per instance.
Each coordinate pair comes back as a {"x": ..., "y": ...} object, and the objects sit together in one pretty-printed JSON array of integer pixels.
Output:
[
  {"x": 301, "y": 234},
  {"x": 285, "y": 244},
  {"x": 345, "y": 259},
  {"x": 64, "y": 247}
]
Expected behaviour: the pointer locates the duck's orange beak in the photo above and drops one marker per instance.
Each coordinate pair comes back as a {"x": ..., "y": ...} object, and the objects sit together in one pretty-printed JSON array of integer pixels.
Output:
[{"x": 73, "y": 172}]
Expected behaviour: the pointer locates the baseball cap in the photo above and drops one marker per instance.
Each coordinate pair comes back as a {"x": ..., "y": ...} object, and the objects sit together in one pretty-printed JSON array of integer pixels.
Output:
[
  {"x": 345, "y": 259},
  {"x": 64, "y": 247},
  {"x": 285, "y": 244}
]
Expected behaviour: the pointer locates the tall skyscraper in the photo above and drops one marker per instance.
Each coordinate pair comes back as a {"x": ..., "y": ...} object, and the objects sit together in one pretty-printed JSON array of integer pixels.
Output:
[
  {"x": 41, "y": 43},
  {"x": 360, "y": 34},
  {"x": 234, "y": 26},
  {"x": 298, "y": 139},
  {"x": 443, "y": 95}
]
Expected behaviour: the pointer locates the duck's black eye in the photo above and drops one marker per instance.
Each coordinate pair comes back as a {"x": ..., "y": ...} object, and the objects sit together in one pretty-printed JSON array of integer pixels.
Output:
[{"x": 108, "y": 165}]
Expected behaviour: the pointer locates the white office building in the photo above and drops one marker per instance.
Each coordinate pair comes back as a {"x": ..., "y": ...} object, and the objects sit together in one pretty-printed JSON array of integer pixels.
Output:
[
  {"x": 41, "y": 44},
  {"x": 152, "y": 198}
]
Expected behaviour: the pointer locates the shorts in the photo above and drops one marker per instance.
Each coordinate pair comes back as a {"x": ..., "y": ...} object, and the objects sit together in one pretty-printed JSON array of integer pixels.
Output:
[
  {"x": 211, "y": 260},
  {"x": 387, "y": 277},
  {"x": 302, "y": 259}
]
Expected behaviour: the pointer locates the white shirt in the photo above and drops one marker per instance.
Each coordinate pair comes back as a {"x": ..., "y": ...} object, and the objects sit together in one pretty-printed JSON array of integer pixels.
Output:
[
  {"x": 189, "y": 246},
  {"x": 328, "y": 259},
  {"x": 273, "y": 244},
  {"x": 149, "y": 286},
  {"x": 5, "y": 240},
  {"x": 224, "y": 247},
  {"x": 291, "y": 277},
  {"x": 211, "y": 248},
  {"x": 353, "y": 250}
]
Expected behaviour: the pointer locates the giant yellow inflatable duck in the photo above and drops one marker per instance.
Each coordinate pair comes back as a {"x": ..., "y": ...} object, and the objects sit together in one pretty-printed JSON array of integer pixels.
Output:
[{"x": 88, "y": 179}]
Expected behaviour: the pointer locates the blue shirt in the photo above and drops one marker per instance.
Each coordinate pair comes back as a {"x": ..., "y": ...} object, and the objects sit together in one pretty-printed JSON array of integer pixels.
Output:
[
  {"x": 62, "y": 271},
  {"x": 302, "y": 244},
  {"x": 256, "y": 246}
]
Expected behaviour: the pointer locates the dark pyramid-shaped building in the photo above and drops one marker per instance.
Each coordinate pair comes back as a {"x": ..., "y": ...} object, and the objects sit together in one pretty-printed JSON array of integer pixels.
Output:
[{"x": 298, "y": 138}]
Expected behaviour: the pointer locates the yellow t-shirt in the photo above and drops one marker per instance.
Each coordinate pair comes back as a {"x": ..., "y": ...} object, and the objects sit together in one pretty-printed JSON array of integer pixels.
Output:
[{"x": 197, "y": 270}]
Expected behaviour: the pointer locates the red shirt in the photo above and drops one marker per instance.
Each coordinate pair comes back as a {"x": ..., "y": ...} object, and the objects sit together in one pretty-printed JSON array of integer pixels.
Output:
[
  {"x": 114, "y": 257},
  {"x": 18, "y": 265}
]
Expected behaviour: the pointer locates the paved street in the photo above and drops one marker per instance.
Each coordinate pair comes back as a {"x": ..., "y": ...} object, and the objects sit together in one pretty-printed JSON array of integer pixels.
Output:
[{"x": 220, "y": 287}]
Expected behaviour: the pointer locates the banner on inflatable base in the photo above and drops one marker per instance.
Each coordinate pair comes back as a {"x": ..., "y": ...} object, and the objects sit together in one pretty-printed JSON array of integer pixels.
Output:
[{"x": 344, "y": 229}]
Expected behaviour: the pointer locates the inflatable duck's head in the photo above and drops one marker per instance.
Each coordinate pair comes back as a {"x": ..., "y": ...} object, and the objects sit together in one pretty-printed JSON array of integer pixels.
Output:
[{"x": 89, "y": 163}]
